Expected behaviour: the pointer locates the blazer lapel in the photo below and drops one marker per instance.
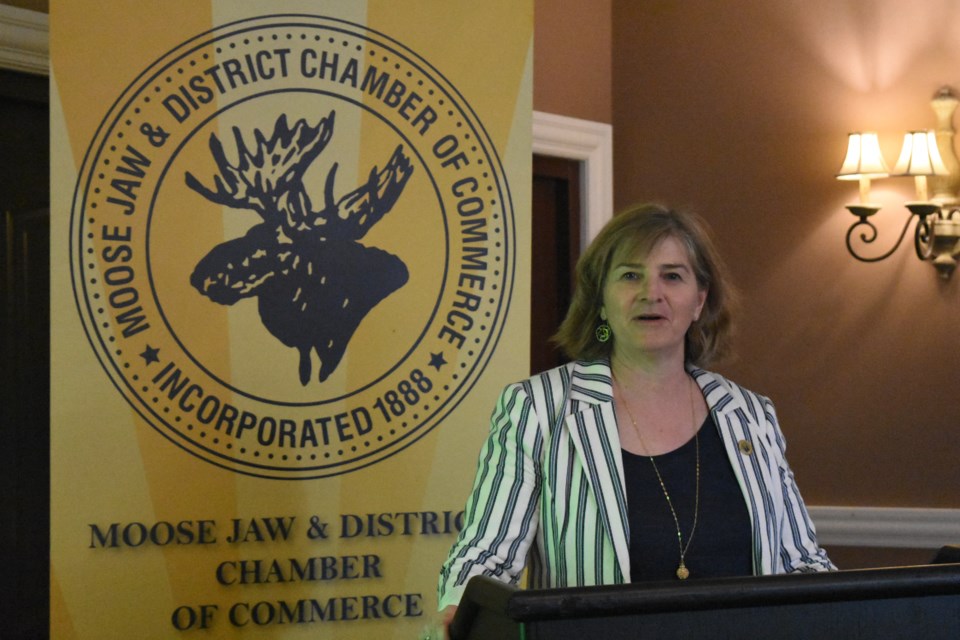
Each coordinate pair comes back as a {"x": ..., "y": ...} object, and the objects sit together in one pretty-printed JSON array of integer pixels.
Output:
[
  {"x": 738, "y": 428},
  {"x": 592, "y": 426}
]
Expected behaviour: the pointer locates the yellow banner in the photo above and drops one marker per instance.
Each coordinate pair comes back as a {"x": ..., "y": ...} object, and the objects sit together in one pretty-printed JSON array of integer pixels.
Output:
[{"x": 290, "y": 273}]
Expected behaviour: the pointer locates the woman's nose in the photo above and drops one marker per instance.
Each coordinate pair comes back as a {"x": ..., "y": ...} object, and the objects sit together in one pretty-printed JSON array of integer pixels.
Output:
[{"x": 649, "y": 289}]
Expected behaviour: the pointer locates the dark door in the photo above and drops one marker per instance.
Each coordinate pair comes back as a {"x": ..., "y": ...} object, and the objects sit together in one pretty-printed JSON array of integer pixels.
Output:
[
  {"x": 555, "y": 249},
  {"x": 25, "y": 360}
]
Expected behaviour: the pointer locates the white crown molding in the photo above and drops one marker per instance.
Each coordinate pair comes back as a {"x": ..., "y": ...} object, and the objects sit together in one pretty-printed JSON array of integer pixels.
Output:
[
  {"x": 886, "y": 527},
  {"x": 591, "y": 143},
  {"x": 24, "y": 40}
]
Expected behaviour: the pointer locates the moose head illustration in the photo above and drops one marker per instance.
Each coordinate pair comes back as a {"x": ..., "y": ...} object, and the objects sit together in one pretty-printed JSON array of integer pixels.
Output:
[{"x": 313, "y": 280}]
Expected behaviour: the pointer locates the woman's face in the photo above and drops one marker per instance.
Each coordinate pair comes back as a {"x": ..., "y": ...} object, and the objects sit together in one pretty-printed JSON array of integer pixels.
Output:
[{"x": 650, "y": 301}]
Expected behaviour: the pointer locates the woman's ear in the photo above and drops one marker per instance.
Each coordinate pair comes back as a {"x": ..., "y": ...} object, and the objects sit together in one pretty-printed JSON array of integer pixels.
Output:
[{"x": 701, "y": 300}]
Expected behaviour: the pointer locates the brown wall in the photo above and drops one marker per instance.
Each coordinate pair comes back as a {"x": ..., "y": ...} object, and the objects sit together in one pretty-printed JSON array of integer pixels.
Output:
[
  {"x": 572, "y": 58},
  {"x": 739, "y": 110}
]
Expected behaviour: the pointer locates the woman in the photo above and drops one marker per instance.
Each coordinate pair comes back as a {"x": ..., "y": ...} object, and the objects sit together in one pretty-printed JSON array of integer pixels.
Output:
[{"x": 631, "y": 462}]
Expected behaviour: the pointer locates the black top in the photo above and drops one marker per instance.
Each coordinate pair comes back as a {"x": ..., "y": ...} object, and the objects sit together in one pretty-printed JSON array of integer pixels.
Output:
[{"x": 722, "y": 542}]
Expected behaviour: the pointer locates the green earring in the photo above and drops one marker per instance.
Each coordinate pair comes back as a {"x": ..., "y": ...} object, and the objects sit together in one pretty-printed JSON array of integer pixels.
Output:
[{"x": 603, "y": 332}]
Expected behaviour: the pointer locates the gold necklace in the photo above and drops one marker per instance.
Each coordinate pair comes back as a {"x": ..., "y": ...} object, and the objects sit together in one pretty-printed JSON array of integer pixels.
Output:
[{"x": 682, "y": 571}]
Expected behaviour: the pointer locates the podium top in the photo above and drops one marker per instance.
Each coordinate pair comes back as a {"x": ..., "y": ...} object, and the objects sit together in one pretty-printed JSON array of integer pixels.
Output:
[{"x": 523, "y": 606}]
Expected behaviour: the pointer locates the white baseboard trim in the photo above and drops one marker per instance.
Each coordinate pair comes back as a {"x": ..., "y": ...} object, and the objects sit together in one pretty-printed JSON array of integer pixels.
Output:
[{"x": 886, "y": 527}]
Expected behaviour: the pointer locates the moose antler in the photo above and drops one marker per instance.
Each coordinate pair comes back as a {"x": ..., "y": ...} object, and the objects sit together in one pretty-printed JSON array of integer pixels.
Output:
[
  {"x": 363, "y": 207},
  {"x": 259, "y": 179}
]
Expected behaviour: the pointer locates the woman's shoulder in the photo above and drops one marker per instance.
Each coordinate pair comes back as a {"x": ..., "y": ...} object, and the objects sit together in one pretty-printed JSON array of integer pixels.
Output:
[
  {"x": 575, "y": 372},
  {"x": 574, "y": 379},
  {"x": 722, "y": 392}
]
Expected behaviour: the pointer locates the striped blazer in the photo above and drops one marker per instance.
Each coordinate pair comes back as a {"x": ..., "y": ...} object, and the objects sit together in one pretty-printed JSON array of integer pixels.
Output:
[{"x": 549, "y": 492}]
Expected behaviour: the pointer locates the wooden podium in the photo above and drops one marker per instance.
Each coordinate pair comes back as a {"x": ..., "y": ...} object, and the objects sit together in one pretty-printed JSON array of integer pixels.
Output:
[{"x": 908, "y": 603}]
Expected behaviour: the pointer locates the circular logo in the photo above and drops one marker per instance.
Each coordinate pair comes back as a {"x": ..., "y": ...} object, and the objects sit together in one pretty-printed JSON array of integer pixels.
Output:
[{"x": 292, "y": 246}]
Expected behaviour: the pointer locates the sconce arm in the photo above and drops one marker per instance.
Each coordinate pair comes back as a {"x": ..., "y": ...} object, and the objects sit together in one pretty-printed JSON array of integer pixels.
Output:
[{"x": 863, "y": 221}]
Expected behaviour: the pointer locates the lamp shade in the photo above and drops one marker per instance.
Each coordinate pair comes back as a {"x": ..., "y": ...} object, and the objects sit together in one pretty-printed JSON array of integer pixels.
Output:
[
  {"x": 864, "y": 159},
  {"x": 920, "y": 156}
]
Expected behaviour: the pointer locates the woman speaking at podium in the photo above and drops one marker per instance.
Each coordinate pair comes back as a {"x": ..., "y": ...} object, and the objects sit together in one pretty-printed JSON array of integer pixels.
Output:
[{"x": 632, "y": 462}]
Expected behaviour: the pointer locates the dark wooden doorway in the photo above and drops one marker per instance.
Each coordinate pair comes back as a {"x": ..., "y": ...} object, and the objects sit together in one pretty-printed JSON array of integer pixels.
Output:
[
  {"x": 555, "y": 249},
  {"x": 25, "y": 369}
]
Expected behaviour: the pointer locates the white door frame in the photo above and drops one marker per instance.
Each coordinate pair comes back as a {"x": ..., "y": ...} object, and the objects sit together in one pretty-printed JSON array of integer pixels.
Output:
[{"x": 592, "y": 144}]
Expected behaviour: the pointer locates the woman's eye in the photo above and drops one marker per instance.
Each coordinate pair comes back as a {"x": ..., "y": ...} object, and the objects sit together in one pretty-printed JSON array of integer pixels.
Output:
[
  {"x": 630, "y": 275},
  {"x": 673, "y": 275}
]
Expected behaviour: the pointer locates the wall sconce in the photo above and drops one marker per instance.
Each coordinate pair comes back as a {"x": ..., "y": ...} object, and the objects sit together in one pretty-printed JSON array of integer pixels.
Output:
[{"x": 937, "y": 233}]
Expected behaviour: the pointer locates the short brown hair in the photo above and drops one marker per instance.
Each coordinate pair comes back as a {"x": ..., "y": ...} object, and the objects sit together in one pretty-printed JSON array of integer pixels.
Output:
[{"x": 638, "y": 229}]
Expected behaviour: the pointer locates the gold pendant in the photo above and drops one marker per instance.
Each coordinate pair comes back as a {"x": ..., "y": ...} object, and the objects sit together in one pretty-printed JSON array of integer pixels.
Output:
[{"x": 682, "y": 572}]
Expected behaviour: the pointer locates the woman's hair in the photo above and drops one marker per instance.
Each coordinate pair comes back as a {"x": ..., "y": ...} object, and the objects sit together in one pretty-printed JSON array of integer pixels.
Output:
[{"x": 636, "y": 231}]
